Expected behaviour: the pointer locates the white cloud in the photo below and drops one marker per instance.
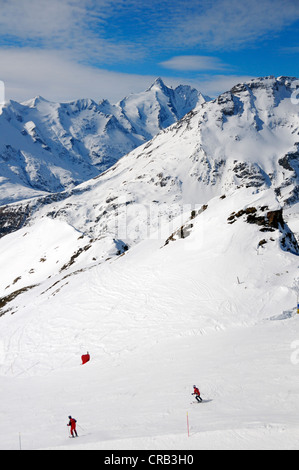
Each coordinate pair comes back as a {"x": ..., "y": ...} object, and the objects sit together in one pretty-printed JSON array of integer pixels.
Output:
[
  {"x": 225, "y": 24},
  {"x": 94, "y": 30},
  {"x": 193, "y": 63},
  {"x": 53, "y": 44},
  {"x": 38, "y": 18},
  {"x": 290, "y": 49},
  {"x": 57, "y": 77},
  {"x": 75, "y": 26}
]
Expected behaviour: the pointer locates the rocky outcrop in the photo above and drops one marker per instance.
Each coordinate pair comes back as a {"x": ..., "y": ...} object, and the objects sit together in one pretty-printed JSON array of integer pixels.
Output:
[
  {"x": 12, "y": 218},
  {"x": 290, "y": 163},
  {"x": 268, "y": 221}
]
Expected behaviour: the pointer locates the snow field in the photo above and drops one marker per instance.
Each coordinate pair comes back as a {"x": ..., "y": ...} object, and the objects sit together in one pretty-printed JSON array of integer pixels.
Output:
[
  {"x": 141, "y": 402},
  {"x": 156, "y": 321}
]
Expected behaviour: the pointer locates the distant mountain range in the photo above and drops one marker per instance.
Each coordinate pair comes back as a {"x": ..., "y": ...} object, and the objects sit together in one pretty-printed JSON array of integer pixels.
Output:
[
  {"x": 246, "y": 138},
  {"x": 48, "y": 147}
]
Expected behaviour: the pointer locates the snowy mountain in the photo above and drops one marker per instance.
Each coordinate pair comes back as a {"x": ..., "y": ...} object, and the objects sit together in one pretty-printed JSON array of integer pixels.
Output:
[
  {"x": 246, "y": 138},
  {"x": 176, "y": 266},
  {"x": 49, "y": 147}
]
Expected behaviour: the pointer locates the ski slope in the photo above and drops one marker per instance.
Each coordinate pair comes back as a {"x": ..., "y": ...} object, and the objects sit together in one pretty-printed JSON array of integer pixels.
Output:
[{"x": 211, "y": 309}]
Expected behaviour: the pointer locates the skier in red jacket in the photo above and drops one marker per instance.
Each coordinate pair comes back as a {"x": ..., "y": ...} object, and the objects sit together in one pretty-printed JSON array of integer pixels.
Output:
[
  {"x": 196, "y": 392},
  {"x": 72, "y": 424}
]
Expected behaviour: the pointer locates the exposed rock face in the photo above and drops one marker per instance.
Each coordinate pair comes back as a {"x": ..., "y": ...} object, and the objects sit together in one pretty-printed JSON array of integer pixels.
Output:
[
  {"x": 275, "y": 219},
  {"x": 290, "y": 162},
  {"x": 12, "y": 218},
  {"x": 269, "y": 221}
]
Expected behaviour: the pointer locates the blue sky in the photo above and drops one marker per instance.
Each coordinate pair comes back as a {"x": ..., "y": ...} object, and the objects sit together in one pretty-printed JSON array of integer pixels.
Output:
[{"x": 68, "y": 49}]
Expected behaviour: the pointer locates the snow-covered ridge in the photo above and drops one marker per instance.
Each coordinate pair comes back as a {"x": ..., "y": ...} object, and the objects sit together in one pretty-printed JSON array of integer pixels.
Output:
[
  {"x": 246, "y": 138},
  {"x": 48, "y": 147}
]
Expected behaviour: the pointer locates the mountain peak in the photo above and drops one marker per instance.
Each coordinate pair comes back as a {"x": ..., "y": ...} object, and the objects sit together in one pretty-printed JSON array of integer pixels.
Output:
[
  {"x": 158, "y": 83},
  {"x": 266, "y": 83},
  {"x": 35, "y": 101},
  {"x": 83, "y": 103}
]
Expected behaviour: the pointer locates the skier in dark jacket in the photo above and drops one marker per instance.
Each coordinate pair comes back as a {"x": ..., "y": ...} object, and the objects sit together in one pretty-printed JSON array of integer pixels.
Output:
[
  {"x": 196, "y": 392},
  {"x": 72, "y": 424}
]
